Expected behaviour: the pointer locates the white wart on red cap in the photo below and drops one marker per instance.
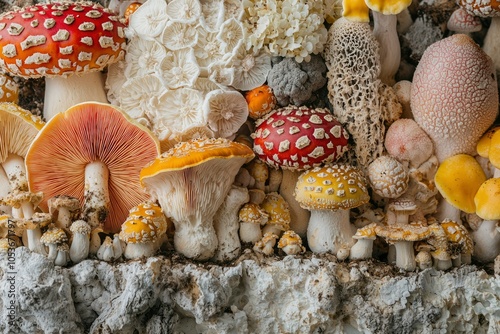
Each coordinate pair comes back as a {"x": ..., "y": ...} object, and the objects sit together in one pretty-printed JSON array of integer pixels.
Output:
[
  {"x": 299, "y": 138},
  {"x": 59, "y": 39}
]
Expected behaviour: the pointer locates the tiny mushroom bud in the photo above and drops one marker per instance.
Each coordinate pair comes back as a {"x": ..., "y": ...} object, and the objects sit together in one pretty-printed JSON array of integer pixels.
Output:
[
  {"x": 463, "y": 22},
  {"x": 62, "y": 257},
  {"x": 68, "y": 43},
  {"x": 106, "y": 251},
  {"x": 251, "y": 217},
  {"x": 266, "y": 244},
  {"x": 329, "y": 193},
  {"x": 291, "y": 243},
  {"x": 80, "y": 242},
  {"x": 423, "y": 259},
  {"x": 363, "y": 248},
  {"x": 261, "y": 100},
  {"x": 67, "y": 209}
]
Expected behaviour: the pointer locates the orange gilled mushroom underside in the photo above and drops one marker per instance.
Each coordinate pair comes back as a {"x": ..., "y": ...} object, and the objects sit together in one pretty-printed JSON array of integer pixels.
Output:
[{"x": 86, "y": 133}]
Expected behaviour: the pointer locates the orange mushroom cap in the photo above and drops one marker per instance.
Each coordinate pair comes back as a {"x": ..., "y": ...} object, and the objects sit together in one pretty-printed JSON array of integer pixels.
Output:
[
  {"x": 83, "y": 134},
  {"x": 59, "y": 39},
  {"x": 261, "y": 100}
]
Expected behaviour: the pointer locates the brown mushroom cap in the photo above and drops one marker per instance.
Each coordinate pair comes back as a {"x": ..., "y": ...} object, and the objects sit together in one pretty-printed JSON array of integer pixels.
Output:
[
  {"x": 83, "y": 134},
  {"x": 59, "y": 39},
  {"x": 331, "y": 187}
]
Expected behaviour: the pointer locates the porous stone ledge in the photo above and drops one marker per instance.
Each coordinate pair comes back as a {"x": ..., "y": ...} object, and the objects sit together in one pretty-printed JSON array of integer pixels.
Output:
[{"x": 308, "y": 294}]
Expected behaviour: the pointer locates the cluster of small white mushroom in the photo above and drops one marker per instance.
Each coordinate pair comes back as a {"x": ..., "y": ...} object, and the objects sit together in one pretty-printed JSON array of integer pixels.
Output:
[{"x": 185, "y": 60}]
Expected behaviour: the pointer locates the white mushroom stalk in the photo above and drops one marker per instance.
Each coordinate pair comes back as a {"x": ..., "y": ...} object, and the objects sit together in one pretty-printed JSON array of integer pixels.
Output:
[
  {"x": 384, "y": 30},
  {"x": 329, "y": 230},
  {"x": 80, "y": 244},
  {"x": 96, "y": 194},
  {"x": 226, "y": 224}
]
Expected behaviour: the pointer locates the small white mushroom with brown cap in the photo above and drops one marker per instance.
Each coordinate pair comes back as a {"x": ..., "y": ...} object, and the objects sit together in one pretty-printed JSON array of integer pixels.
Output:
[
  {"x": 329, "y": 193},
  {"x": 279, "y": 214},
  {"x": 403, "y": 237},
  {"x": 252, "y": 217},
  {"x": 80, "y": 242},
  {"x": 66, "y": 208},
  {"x": 266, "y": 244},
  {"x": 363, "y": 248},
  {"x": 291, "y": 243},
  {"x": 52, "y": 238}
]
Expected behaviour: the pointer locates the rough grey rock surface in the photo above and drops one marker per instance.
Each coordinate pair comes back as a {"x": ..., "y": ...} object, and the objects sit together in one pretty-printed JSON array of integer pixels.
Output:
[{"x": 308, "y": 294}]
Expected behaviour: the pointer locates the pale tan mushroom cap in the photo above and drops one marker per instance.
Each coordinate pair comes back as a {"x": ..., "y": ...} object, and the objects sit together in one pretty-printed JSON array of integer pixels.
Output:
[
  {"x": 394, "y": 233},
  {"x": 388, "y": 177},
  {"x": 16, "y": 198},
  {"x": 403, "y": 205},
  {"x": 81, "y": 227},
  {"x": 454, "y": 94},
  {"x": 277, "y": 208},
  {"x": 331, "y": 187},
  {"x": 69, "y": 202},
  {"x": 268, "y": 237},
  {"x": 253, "y": 213},
  {"x": 54, "y": 235}
]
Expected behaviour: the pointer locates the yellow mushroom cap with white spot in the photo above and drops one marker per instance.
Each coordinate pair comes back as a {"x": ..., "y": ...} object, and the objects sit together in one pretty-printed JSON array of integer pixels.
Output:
[
  {"x": 366, "y": 232},
  {"x": 54, "y": 235},
  {"x": 406, "y": 232},
  {"x": 289, "y": 238},
  {"x": 277, "y": 208},
  {"x": 331, "y": 187},
  {"x": 145, "y": 223},
  {"x": 487, "y": 200},
  {"x": 458, "y": 178},
  {"x": 253, "y": 213}
]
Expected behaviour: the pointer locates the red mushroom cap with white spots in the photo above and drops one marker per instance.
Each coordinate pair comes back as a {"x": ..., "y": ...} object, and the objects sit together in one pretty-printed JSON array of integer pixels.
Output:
[
  {"x": 59, "y": 39},
  {"x": 298, "y": 138}
]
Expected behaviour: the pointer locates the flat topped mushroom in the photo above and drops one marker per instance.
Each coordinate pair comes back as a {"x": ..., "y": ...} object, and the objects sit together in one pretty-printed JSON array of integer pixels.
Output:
[
  {"x": 191, "y": 181},
  {"x": 93, "y": 152},
  {"x": 57, "y": 41}
]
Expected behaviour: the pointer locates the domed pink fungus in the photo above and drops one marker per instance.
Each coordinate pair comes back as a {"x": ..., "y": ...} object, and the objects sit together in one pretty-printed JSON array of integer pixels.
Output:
[
  {"x": 454, "y": 95},
  {"x": 406, "y": 141}
]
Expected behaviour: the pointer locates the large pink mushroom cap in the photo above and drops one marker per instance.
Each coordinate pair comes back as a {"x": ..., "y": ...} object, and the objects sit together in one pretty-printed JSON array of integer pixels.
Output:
[{"x": 454, "y": 95}]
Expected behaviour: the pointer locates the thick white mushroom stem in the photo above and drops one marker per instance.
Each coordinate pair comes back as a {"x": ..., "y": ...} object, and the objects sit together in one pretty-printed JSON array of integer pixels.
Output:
[
  {"x": 15, "y": 172},
  {"x": 226, "y": 224},
  {"x": 362, "y": 249},
  {"x": 405, "y": 255},
  {"x": 447, "y": 211},
  {"x": 195, "y": 237},
  {"x": 79, "y": 249},
  {"x": 486, "y": 241},
  {"x": 329, "y": 231},
  {"x": 62, "y": 93},
  {"x": 137, "y": 250},
  {"x": 385, "y": 31},
  {"x": 299, "y": 217},
  {"x": 96, "y": 204},
  {"x": 34, "y": 243},
  {"x": 490, "y": 45}
]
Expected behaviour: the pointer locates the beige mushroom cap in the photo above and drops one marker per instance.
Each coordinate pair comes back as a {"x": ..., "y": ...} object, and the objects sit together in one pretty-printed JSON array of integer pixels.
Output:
[
  {"x": 388, "y": 177},
  {"x": 331, "y": 187},
  {"x": 58, "y": 201},
  {"x": 366, "y": 232},
  {"x": 403, "y": 205},
  {"x": 81, "y": 227},
  {"x": 393, "y": 233}
]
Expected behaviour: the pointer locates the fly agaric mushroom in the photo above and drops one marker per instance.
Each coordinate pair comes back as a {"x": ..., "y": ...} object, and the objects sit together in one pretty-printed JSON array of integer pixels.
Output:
[
  {"x": 94, "y": 152},
  {"x": 295, "y": 139},
  {"x": 454, "y": 96},
  {"x": 9, "y": 89},
  {"x": 67, "y": 43},
  {"x": 80, "y": 241},
  {"x": 191, "y": 181},
  {"x": 329, "y": 193},
  {"x": 403, "y": 237},
  {"x": 487, "y": 8},
  {"x": 19, "y": 128},
  {"x": 251, "y": 217},
  {"x": 291, "y": 243},
  {"x": 363, "y": 248},
  {"x": 458, "y": 178},
  {"x": 266, "y": 244},
  {"x": 66, "y": 208},
  {"x": 143, "y": 231}
]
